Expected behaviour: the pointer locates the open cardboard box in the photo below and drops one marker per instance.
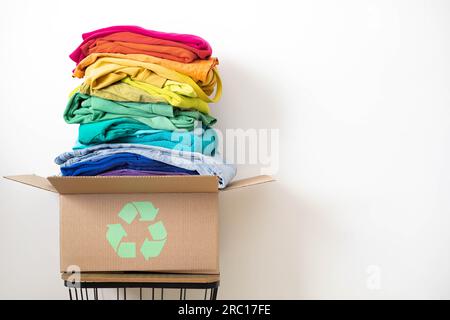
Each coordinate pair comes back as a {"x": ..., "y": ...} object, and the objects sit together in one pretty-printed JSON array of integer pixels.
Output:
[{"x": 149, "y": 223}]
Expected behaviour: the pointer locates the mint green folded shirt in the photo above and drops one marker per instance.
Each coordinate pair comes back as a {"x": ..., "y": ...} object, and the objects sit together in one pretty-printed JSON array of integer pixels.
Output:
[{"x": 83, "y": 108}]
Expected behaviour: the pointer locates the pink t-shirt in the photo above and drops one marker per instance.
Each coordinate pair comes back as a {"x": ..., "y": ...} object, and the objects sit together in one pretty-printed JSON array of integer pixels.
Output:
[{"x": 193, "y": 41}]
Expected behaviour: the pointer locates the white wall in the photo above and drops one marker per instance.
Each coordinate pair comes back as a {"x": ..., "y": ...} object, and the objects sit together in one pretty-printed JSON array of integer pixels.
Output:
[{"x": 360, "y": 93}]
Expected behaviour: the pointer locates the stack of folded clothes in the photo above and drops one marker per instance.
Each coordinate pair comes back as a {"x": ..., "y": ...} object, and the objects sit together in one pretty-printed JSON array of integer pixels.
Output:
[{"x": 143, "y": 106}]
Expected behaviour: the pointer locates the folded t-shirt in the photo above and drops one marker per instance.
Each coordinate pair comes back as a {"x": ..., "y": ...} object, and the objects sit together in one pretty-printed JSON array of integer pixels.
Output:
[
  {"x": 194, "y": 44},
  {"x": 82, "y": 108},
  {"x": 123, "y": 130},
  {"x": 120, "y": 161},
  {"x": 132, "y": 172}
]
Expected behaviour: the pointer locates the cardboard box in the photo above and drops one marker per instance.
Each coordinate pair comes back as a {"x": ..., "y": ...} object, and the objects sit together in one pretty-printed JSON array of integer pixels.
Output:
[{"x": 149, "y": 223}]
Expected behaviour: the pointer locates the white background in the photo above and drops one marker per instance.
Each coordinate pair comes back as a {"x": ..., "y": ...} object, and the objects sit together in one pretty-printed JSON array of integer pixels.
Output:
[{"x": 360, "y": 93}]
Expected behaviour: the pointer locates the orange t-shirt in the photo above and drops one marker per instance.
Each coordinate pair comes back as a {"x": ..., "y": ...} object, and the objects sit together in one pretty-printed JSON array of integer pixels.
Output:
[{"x": 129, "y": 42}]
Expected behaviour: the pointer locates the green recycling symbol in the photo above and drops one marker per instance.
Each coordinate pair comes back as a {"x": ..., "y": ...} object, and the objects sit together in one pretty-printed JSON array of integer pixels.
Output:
[{"x": 149, "y": 248}]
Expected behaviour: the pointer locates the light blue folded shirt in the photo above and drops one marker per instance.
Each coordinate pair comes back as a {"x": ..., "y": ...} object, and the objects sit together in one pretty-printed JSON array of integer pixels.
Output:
[{"x": 194, "y": 161}]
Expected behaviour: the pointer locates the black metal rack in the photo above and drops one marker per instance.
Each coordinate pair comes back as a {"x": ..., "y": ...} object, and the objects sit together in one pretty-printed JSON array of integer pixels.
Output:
[{"x": 87, "y": 285}]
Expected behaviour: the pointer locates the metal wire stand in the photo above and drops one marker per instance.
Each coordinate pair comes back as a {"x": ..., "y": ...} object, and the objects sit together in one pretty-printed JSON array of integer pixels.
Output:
[{"x": 87, "y": 286}]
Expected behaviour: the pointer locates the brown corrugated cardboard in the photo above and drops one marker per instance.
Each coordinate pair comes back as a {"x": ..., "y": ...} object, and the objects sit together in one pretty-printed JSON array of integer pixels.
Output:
[
  {"x": 111, "y": 184},
  {"x": 190, "y": 220},
  {"x": 33, "y": 181},
  {"x": 247, "y": 182},
  {"x": 153, "y": 223},
  {"x": 117, "y": 277},
  {"x": 140, "y": 184}
]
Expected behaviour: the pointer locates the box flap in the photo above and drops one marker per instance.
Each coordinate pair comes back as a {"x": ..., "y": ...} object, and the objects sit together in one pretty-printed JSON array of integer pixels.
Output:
[
  {"x": 141, "y": 184},
  {"x": 135, "y": 184},
  {"x": 33, "y": 180},
  {"x": 248, "y": 182}
]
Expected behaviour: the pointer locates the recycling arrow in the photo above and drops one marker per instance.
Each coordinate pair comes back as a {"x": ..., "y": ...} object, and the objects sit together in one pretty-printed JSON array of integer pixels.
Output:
[
  {"x": 128, "y": 212},
  {"x": 147, "y": 210},
  {"x": 149, "y": 248},
  {"x": 127, "y": 250},
  {"x": 158, "y": 231},
  {"x": 115, "y": 234}
]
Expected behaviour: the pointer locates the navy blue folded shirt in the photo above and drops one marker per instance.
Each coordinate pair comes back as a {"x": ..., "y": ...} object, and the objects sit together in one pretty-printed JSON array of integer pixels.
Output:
[{"x": 120, "y": 161}]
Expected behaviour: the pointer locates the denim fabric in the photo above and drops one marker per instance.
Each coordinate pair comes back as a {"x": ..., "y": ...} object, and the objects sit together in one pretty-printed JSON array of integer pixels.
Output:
[
  {"x": 117, "y": 161},
  {"x": 132, "y": 172},
  {"x": 204, "y": 165}
]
